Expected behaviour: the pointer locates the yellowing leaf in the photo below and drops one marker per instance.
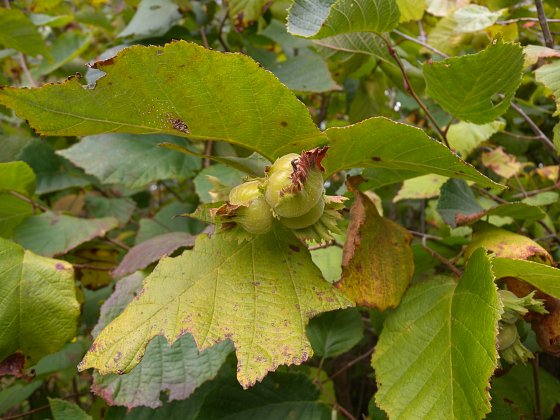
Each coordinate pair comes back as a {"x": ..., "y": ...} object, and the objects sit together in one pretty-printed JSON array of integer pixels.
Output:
[
  {"x": 502, "y": 163},
  {"x": 259, "y": 294},
  {"x": 38, "y": 306},
  {"x": 377, "y": 263},
  {"x": 548, "y": 75},
  {"x": 506, "y": 244},
  {"x": 422, "y": 187}
]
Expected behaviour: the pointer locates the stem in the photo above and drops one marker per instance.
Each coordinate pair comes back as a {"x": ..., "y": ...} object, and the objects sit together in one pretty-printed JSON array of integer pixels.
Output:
[
  {"x": 340, "y": 408},
  {"x": 28, "y": 200},
  {"x": 351, "y": 363},
  {"x": 208, "y": 153},
  {"x": 93, "y": 267},
  {"x": 525, "y": 19},
  {"x": 548, "y": 41},
  {"x": 220, "y": 32},
  {"x": 538, "y": 132},
  {"x": 202, "y": 32},
  {"x": 26, "y": 71},
  {"x": 425, "y": 235},
  {"x": 536, "y": 384},
  {"x": 441, "y": 258},
  {"x": 408, "y": 88},
  {"x": 419, "y": 42}
]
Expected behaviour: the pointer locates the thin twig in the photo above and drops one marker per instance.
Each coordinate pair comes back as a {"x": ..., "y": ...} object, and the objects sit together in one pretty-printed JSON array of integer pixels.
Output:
[
  {"x": 23, "y": 64},
  {"x": 93, "y": 267},
  {"x": 535, "y": 192},
  {"x": 538, "y": 132},
  {"x": 408, "y": 87},
  {"x": 344, "y": 411},
  {"x": 351, "y": 363},
  {"x": 536, "y": 384},
  {"x": 422, "y": 43},
  {"x": 208, "y": 153},
  {"x": 524, "y": 19},
  {"x": 202, "y": 32},
  {"x": 28, "y": 200},
  {"x": 325, "y": 245},
  {"x": 548, "y": 40},
  {"x": 441, "y": 258},
  {"x": 520, "y": 136},
  {"x": 118, "y": 243},
  {"x": 220, "y": 32},
  {"x": 425, "y": 235}
]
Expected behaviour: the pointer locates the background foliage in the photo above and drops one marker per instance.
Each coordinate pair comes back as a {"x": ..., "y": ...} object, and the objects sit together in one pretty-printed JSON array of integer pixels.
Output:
[{"x": 441, "y": 118}]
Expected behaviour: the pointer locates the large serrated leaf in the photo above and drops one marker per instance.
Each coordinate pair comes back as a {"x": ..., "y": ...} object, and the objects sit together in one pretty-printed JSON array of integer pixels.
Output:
[
  {"x": 178, "y": 369},
  {"x": 437, "y": 351},
  {"x": 181, "y": 89},
  {"x": 321, "y": 19},
  {"x": 397, "y": 152},
  {"x": 259, "y": 294},
  {"x": 38, "y": 306},
  {"x": 477, "y": 87}
]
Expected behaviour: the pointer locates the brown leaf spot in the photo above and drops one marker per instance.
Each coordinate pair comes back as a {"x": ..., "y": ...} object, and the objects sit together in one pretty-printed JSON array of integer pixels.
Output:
[
  {"x": 59, "y": 266},
  {"x": 13, "y": 365},
  {"x": 283, "y": 123},
  {"x": 376, "y": 158},
  {"x": 179, "y": 125},
  {"x": 294, "y": 248}
]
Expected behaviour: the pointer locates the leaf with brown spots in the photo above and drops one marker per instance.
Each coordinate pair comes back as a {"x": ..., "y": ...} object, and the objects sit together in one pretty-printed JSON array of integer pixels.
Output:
[
  {"x": 259, "y": 294},
  {"x": 181, "y": 89},
  {"x": 377, "y": 262}
]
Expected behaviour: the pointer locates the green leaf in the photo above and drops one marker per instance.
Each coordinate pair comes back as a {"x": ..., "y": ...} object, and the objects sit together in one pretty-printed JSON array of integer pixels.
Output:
[
  {"x": 151, "y": 250},
  {"x": 320, "y": 19},
  {"x": 17, "y": 393},
  {"x": 178, "y": 369},
  {"x": 214, "y": 182},
  {"x": 119, "y": 208},
  {"x": 51, "y": 234},
  {"x": 336, "y": 332},
  {"x": 516, "y": 389},
  {"x": 259, "y": 294},
  {"x": 543, "y": 277},
  {"x": 17, "y": 177},
  {"x": 39, "y": 310},
  {"x": 437, "y": 351},
  {"x": 18, "y": 32},
  {"x": 329, "y": 261},
  {"x": 469, "y": 87},
  {"x": 66, "y": 410},
  {"x": 464, "y": 137},
  {"x": 179, "y": 89},
  {"x": 542, "y": 199},
  {"x": 548, "y": 76},
  {"x": 65, "y": 48},
  {"x": 397, "y": 152},
  {"x": 166, "y": 220},
  {"x": 305, "y": 73},
  {"x": 411, "y": 9},
  {"x": 53, "y": 172},
  {"x": 121, "y": 159},
  {"x": 457, "y": 203},
  {"x": 280, "y": 396},
  {"x": 153, "y": 18},
  {"x": 473, "y": 17},
  {"x": 13, "y": 211},
  {"x": 355, "y": 43},
  {"x": 377, "y": 261}
]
